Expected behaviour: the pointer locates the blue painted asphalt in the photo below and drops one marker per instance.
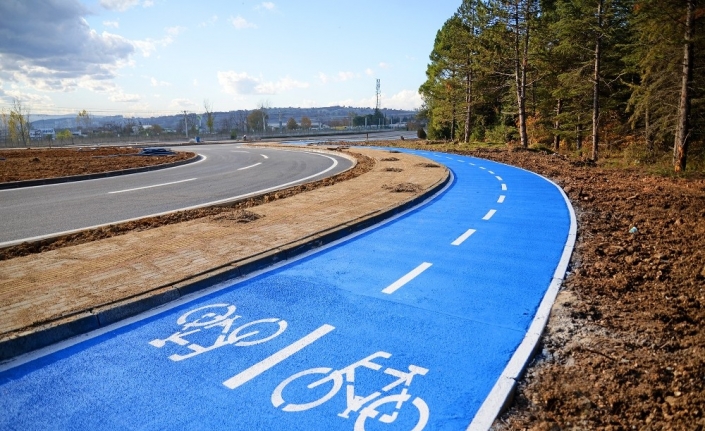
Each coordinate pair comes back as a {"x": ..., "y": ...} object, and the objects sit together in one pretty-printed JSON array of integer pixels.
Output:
[{"x": 395, "y": 328}]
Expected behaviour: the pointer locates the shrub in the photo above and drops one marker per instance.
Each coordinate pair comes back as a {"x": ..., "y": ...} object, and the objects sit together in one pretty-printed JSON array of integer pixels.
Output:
[{"x": 421, "y": 133}]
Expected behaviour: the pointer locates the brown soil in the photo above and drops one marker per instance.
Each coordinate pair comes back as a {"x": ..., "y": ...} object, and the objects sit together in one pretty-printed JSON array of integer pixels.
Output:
[
  {"x": 33, "y": 164},
  {"x": 624, "y": 347},
  {"x": 231, "y": 211}
]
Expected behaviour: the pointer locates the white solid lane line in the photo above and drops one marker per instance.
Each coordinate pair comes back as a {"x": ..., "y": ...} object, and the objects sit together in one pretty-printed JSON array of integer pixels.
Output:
[
  {"x": 489, "y": 214},
  {"x": 149, "y": 187},
  {"x": 251, "y": 166},
  {"x": 407, "y": 278},
  {"x": 463, "y": 237},
  {"x": 501, "y": 199},
  {"x": 267, "y": 363}
]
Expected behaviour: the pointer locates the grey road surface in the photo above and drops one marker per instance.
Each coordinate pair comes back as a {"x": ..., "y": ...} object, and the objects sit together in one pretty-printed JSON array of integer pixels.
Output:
[{"x": 228, "y": 172}]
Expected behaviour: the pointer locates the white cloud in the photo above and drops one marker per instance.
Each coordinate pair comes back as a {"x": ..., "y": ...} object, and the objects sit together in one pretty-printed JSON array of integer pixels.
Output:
[
  {"x": 243, "y": 84},
  {"x": 210, "y": 22},
  {"x": 384, "y": 65},
  {"x": 369, "y": 72},
  {"x": 157, "y": 83},
  {"x": 113, "y": 24},
  {"x": 323, "y": 77},
  {"x": 56, "y": 50},
  {"x": 195, "y": 82},
  {"x": 119, "y": 96},
  {"x": 405, "y": 99},
  {"x": 149, "y": 46},
  {"x": 181, "y": 103},
  {"x": 345, "y": 76},
  {"x": 241, "y": 23},
  {"x": 266, "y": 5},
  {"x": 119, "y": 5}
]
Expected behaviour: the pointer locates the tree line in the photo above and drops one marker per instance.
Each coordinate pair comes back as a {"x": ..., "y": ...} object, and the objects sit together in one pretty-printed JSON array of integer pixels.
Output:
[{"x": 579, "y": 74}]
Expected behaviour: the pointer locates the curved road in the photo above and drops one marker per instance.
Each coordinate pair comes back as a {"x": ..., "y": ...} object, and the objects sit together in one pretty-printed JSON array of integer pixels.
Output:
[{"x": 227, "y": 172}]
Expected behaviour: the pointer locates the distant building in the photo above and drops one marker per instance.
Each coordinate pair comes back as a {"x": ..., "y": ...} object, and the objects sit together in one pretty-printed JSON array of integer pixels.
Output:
[{"x": 38, "y": 134}]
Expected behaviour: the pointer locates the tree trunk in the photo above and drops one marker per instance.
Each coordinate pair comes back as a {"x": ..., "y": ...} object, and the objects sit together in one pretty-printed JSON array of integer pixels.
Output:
[
  {"x": 596, "y": 85},
  {"x": 680, "y": 146},
  {"x": 521, "y": 54},
  {"x": 468, "y": 109},
  {"x": 557, "y": 125}
]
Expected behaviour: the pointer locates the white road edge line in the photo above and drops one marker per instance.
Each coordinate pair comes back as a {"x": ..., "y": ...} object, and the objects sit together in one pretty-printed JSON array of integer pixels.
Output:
[
  {"x": 267, "y": 363},
  {"x": 251, "y": 166},
  {"x": 501, "y": 199},
  {"x": 463, "y": 237},
  {"x": 489, "y": 214},
  {"x": 407, "y": 278},
  {"x": 150, "y": 187},
  {"x": 508, "y": 380}
]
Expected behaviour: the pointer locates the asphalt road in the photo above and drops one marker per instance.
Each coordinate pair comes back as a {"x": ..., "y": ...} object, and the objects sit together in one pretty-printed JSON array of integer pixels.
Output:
[
  {"x": 227, "y": 172},
  {"x": 408, "y": 325}
]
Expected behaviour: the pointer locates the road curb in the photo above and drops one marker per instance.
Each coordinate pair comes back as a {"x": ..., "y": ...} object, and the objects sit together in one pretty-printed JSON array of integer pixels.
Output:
[
  {"x": 68, "y": 327},
  {"x": 59, "y": 180}
]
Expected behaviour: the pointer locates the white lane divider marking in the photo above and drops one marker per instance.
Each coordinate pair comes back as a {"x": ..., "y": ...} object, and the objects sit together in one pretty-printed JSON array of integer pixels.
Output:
[
  {"x": 264, "y": 156},
  {"x": 149, "y": 187},
  {"x": 407, "y": 278},
  {"x": 491, "y": 172},
  {"x": 489, "y": 214},
  {"x": 463, "y": 237},
  {"x": 501, "y": 199},
  {"x": 267, "y": 363},
  {"x": 499, "y": 178},
  {"x": 482, "y": 167},
  {"x": 504, "y": 187},
  {"x": 251, "y": 166},
  {"x": 472, "y": 164}
]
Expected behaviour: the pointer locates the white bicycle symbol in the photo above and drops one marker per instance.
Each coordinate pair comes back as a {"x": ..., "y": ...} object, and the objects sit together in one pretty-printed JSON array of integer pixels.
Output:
[
  {"x": 355, "y": 402},
  {"x": 219, "y": 316}
]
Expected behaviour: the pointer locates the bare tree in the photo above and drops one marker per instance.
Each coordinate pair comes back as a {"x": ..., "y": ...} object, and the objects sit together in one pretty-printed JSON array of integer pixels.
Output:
[
  {"x": 210, "y": 120},
  {"x": 18, "y": 123}
]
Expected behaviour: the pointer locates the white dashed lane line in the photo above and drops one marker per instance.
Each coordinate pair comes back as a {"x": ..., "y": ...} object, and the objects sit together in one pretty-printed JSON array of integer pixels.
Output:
[
  {"x": 251, "y": 166},
  {"x": 501, "y": 199},
  {"x": 489, "y": 214},
  {"x": 504, "y": 187},
  {"x": 149, "y": 187},
  {"x": 463, "y": 237},
  {"x": 407, "y": 278}
]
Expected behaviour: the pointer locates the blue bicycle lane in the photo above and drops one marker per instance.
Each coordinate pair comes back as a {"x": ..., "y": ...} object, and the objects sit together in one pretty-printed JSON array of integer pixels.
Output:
[{"x": 407, "y": 325}]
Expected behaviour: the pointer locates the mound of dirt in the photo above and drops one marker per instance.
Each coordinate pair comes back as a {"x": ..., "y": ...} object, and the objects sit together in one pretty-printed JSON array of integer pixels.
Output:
[{"x": 39, "y": 163}]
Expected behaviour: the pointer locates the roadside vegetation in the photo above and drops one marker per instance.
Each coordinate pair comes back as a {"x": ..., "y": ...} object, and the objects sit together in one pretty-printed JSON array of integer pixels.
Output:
[{"x": 622, "y": 79}]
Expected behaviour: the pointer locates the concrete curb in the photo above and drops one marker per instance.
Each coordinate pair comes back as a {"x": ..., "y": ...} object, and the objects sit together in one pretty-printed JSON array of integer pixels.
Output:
[
  {"x": 502, "y": 393},
  {"x": 70, "y": 326},
  {"x": 59, "y": 180}
]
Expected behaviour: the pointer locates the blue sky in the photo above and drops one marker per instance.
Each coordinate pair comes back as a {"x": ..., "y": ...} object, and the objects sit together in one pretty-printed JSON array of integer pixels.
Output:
[{"x": 164, "y": 56}]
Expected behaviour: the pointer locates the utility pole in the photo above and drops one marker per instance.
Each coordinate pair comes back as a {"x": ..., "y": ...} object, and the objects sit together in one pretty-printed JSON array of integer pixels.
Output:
[
  {"x": 186, "y": 123},
  {"x": 379, "y": 97}
]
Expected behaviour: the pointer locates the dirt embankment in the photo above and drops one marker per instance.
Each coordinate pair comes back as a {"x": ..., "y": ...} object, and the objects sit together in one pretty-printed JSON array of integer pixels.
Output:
[{"x": 39, "y": 163}]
